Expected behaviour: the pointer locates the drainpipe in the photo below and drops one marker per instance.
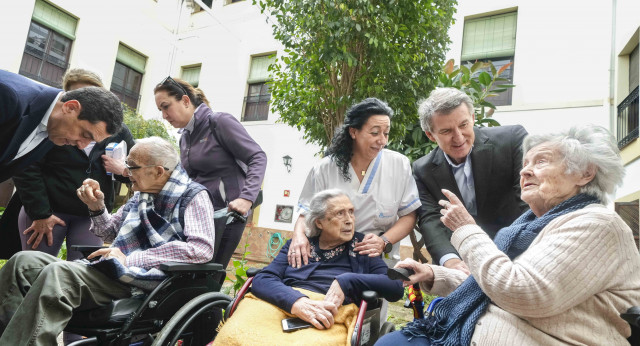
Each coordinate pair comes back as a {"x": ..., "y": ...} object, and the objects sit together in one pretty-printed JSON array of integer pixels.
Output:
[{"x": 612, "y": 70}]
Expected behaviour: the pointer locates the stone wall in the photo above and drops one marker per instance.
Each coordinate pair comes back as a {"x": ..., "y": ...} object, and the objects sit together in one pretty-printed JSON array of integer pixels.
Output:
[{"x": 257, "y": 241}]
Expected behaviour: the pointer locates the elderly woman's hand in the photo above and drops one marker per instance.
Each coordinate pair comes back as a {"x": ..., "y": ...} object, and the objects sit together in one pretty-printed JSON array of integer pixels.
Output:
[
  {"x": 335, "y": 294},
  {"x": 454, "y": 214},
  {"x": 317, "y": 312},
  {"x": 90, "y": 194},
  {"x": 422, "y": 272},
  {"x": 371, "y": 245}
]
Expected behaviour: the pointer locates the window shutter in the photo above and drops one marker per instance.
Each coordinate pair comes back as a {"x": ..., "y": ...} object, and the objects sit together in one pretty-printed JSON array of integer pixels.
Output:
[
  {"x": 52, "y": 17},
  {"x": 489, "y": 37},
  {"x": 634, "y": 64},
  {"x": 191, "y": 75},
  {"x": 132, "y": 59},
  {"x": 259, "y": 68}
]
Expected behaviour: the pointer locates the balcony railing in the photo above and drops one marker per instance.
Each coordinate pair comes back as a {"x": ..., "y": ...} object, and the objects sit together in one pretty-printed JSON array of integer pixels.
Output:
[{"x": 628, "y": 119}]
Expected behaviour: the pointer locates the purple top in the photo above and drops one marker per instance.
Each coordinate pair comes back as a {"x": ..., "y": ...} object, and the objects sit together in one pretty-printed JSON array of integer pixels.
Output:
[{"x": 207, "y": 162}]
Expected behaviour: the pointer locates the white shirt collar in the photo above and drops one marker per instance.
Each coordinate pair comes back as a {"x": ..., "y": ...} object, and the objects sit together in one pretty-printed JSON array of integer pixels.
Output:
[{"x": 45, "y": 119}]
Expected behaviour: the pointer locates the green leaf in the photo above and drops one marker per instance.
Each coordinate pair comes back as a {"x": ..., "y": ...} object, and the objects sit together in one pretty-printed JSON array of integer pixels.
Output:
[
  {"x": 476, "y": 66},
  {"x": 484, "y": 78},
  {"x": 475, "y": 85},
  {"x": 358, "y": 27},
  {"x": 490, "y": 122}
]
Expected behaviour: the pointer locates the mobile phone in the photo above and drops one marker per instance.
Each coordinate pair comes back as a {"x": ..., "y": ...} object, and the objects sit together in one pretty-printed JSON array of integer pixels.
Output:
[
  {"x": 399, "y": 273},
  {"x": 293, "y": 324}
]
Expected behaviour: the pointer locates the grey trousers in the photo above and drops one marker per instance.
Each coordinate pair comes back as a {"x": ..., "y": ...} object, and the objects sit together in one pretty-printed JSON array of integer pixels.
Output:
[{"x": 38, "y": 293}]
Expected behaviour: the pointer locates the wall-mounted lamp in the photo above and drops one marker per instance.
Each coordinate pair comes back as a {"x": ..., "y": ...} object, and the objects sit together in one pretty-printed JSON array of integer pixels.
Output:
[{"x": 287, "y": 162}]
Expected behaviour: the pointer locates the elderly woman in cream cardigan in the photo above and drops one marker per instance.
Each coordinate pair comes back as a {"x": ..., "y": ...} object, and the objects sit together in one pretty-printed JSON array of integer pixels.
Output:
[{"x": 561, "y": 274}]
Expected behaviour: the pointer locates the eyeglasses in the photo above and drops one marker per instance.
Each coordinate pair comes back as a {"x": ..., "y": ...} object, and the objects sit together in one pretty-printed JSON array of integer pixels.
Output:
[
  {"x": 171, "y": 80},
  {"x": 133, "y": 168}
]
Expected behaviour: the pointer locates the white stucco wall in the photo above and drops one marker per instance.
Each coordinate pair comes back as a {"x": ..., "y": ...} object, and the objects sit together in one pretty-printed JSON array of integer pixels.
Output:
[{"x": 561, "y": 62}]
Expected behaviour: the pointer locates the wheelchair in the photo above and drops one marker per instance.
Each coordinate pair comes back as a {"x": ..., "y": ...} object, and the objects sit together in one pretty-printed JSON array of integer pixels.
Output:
[
  {"x": 367, "y": 329},
  {"x": 137, "y": 320}
]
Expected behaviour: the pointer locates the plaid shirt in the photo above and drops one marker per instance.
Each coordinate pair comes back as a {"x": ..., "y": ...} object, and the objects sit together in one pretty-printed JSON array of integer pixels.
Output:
[{"x": 198, "y": 228}]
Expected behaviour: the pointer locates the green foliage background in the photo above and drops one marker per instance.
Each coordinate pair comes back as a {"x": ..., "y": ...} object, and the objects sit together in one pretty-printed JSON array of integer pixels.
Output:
[
  {"x": 339, "y": 52},
  {"x": 142, "y": 128}
]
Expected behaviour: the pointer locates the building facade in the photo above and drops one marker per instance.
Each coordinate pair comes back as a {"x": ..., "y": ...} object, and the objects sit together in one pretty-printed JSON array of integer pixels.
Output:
[{"x": 571, "y": 63}]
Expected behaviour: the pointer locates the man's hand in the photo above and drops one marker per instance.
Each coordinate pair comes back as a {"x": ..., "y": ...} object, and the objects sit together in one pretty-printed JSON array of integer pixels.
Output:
[
  {"x": 454, "y": 214},
  {"x": 114, "y": 166},
  {"x": 422, "y": 272},
  {"x": 111, "y": 252},
  {"x": 299, "y": 249},
  {"x": 456, "y": 263},
  {"x": 41, "y": 228},
  {"x": 371, "y": 245},
  {"x": 335, "y": 294},
  {"x": 240, "y": 205},
  {"x": 317, "y": 312},
  {"x": 91, "y": 195}
]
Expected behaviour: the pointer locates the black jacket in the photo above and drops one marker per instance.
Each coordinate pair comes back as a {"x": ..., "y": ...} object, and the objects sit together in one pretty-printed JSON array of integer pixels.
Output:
[
  {"x": 50, "y": 185},
  {"x": 496, "y": 160}
]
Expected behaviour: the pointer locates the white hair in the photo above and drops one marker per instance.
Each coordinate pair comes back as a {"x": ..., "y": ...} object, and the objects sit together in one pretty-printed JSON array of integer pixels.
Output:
[
  {"x": 583, "y": 147},
  {"x": 159, "y": 152},
  {"x": 442, "y": 101},
  {"x": 318, "y": 210}
]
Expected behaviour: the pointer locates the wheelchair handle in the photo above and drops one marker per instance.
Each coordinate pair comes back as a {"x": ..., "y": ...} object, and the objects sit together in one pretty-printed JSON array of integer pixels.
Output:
[
  {"x": 231, "y": 216},
  {"x": 399, "y": 273}
]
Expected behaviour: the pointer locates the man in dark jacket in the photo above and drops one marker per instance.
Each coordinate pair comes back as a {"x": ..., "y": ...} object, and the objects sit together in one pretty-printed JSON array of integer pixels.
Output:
[
  {"x": 480, "y": 165},
  {"x": 34, "y": 117}
]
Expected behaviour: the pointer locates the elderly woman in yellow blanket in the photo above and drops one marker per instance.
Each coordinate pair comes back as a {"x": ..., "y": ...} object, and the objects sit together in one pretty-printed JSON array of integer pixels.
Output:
[{"x": 320, "y": 293}]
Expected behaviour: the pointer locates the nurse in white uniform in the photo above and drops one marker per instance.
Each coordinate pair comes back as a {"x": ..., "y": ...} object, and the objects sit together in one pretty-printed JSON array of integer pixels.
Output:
[{"x": 378, "y": 181}]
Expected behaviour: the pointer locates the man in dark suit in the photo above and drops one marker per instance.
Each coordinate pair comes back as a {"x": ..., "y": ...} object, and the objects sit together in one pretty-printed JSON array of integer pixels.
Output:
[
  {"x": 33, "y": 117},
  {"x": 480, "y": 165}
]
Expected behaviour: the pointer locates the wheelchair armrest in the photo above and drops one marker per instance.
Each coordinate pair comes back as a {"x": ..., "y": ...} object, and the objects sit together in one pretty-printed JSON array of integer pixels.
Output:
[
  {"x": 370, "y": 296},
  {"x": 86, "y": 250},
  {"x": 632, "y": 316},
  {"x": 251, "y": 272},
  {"x": 176, "y": 267}
]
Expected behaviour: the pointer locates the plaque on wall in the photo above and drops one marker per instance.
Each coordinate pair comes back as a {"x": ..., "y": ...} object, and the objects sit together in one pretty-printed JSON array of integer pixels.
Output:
[{"x": 284, "y": 213}]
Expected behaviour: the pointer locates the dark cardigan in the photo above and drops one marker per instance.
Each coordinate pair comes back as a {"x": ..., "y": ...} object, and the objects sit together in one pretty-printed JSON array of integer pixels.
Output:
[{"x": 358, "y": 273}]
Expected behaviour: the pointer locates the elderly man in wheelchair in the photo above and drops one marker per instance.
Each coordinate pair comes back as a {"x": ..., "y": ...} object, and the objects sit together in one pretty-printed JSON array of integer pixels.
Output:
[
  {"x": 317, "y": 296},
  {"x": 169, "y": 219}
]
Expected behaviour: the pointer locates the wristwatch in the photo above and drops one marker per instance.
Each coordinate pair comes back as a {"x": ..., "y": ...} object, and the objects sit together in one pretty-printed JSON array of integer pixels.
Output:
[{"x": 387, "y": 244}]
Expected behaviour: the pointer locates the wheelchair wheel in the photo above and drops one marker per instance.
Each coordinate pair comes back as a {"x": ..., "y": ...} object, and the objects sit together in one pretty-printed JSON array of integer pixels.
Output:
[
  {"x": 193, "y": 323},
  {"x": 387, "y": 328}
]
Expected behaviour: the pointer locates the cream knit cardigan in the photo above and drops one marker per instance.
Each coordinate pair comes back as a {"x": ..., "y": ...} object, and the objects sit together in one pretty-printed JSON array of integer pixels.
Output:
[{"x": 569, "y": 287}]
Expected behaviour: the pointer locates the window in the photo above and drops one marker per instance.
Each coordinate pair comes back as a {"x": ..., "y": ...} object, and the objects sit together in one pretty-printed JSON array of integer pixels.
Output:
[
  {"x": 256, "y": 104},
  {"x": 127, "y": 76},
  {"x": 46, "y": 53},
  {"x": 628, "y": 115},
  {"x": 628, "y": 211},
  {"x": 191, "y": 75},
  {"x": 492, "y": 38}
]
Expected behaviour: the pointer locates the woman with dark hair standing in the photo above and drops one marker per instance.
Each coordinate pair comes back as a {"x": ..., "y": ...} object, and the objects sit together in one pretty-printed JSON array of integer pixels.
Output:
[
  {"x": 378, "y": 182},
  {"x": 217, "y": 152}
]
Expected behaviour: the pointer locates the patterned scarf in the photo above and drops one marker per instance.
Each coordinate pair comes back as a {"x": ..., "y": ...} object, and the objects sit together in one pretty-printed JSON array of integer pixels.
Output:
[
  {"x": 144, "y": 227},
  {"x": 455, "y": 317}
]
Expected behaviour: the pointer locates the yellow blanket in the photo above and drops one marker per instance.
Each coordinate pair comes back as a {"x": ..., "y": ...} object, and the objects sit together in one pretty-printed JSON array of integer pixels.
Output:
[{"x": 256, "y": 322}]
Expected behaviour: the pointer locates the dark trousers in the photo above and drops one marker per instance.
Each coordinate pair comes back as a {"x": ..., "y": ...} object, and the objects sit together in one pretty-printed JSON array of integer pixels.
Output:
[
  {"x": 399, "y": 339},
  {"x": 227, "y": 240}
]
